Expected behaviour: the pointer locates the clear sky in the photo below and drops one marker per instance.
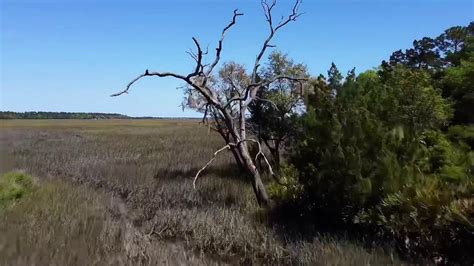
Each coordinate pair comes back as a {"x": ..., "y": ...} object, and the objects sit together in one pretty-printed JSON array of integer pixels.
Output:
[{"x": 70, "y": 55}]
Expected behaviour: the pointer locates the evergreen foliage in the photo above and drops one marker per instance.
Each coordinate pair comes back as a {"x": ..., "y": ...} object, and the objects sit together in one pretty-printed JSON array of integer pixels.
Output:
[{"x": 390, "y": 150}]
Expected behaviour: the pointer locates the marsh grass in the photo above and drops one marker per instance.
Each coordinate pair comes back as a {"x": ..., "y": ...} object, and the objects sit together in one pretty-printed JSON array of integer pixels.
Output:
[
  {"x": 148, "y": 166},
  {"x": 55, "y": 224},
  {"x": 63, "y": 224}
]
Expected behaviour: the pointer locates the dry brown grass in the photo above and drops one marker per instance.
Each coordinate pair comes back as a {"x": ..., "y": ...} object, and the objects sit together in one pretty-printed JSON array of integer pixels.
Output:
[
  {"x": 147, "y": 165},
  {"x": 61, "y": 224}
]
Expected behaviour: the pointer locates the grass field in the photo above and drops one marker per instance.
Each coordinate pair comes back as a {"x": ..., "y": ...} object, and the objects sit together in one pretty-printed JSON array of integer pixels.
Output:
[{"x": 120, "y": 192}]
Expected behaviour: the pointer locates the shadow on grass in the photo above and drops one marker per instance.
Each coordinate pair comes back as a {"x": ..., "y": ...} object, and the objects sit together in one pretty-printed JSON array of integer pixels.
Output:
[
  {"x": 229, "y": 171},
  {"x": 293, "y": 223}
]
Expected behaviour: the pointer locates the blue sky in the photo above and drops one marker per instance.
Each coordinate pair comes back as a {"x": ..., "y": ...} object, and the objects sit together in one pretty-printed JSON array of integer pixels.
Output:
[{"x": 70, "y": 55}]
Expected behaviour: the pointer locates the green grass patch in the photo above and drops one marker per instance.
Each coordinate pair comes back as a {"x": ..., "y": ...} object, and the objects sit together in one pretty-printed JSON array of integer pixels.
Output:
[{"x": 13, "y": 186}]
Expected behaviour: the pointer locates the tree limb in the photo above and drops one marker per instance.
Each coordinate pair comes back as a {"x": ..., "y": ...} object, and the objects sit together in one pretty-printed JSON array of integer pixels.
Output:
[
  {"x": 198, "y": 59},
  {"x": 262, "y": 84},
  {"x": 159, "y": 74},
  {"x": 260, "y": 153},
  {"x": 219, "y": 45},
  {"x": 208, "y": 163},
  {"x": 267, "y": 8}
]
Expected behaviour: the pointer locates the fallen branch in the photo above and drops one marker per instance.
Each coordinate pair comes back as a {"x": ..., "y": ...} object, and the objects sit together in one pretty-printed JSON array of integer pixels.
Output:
[{"x": 152, "y": 231}]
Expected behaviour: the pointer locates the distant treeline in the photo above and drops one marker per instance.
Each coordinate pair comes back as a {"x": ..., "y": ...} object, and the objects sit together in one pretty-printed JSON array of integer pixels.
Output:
[
  {"x": 74, "y": 115},
  {"x": 59, "y": 115}
]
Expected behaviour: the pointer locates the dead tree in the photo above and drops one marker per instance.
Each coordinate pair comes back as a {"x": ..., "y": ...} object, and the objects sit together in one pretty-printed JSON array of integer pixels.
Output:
[{"x": 226, "y": 110}]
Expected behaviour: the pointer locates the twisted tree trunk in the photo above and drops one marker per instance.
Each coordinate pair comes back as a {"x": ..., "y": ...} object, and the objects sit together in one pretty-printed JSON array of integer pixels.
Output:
[
  {"x": 233, "y": 149},
  {"x": 257, "y": 184},
  {"x": 228, "y": 111}
]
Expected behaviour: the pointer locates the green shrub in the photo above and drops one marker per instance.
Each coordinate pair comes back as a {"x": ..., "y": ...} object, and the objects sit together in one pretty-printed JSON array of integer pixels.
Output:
[
  {"x": 373, "y": 154},
  {"x": 427, "y": 217},
  {"x": 288, "y": 188},
  {"x": 462, "y": 134},
  {"x": 442, "y": 157}
]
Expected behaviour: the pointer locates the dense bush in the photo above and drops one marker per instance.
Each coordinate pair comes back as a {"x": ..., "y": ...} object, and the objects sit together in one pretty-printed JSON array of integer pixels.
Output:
[
  {"x": 372, "y": 153},
  {"x": 390, "y": 152},
  {"x": 432, "y": 217},
  {"x": 462, "y": 134}
]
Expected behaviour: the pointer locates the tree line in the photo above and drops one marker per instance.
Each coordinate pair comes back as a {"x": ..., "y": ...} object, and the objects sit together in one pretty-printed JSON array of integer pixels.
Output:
[{"x": 59, "y": 115}]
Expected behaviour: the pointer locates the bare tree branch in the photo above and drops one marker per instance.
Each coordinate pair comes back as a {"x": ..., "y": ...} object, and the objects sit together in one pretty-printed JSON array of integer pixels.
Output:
[
  {"x": 219, "y": 46},
  {"x": 260, "y": 153},
  {"x": 260, "y": 84},
  {"x": 159, "y": 74},
  {"x": 267, "y": 9},
  {"x": 292, "y": 17},
  {"x": 192, "y": 55},
  {"x": 208, "y": 163},
  {"x": 204, "y": 118},
  {"x": 251, "y": 92},
  {"x": 199, "y": 66}
]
